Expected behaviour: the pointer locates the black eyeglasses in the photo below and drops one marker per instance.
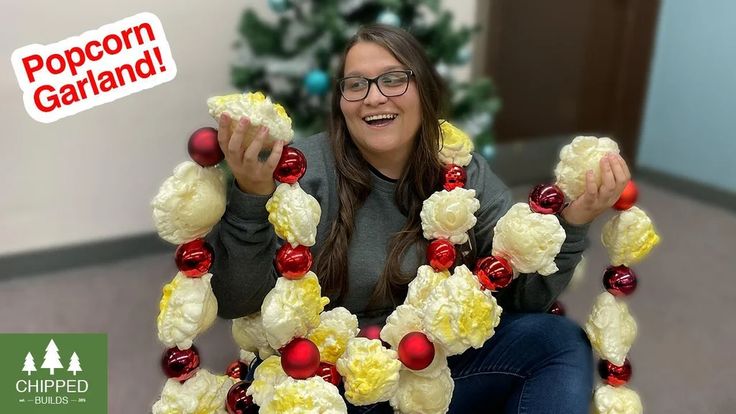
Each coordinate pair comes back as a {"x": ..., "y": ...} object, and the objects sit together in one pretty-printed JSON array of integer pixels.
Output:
[{"x": 390, "y": 84}]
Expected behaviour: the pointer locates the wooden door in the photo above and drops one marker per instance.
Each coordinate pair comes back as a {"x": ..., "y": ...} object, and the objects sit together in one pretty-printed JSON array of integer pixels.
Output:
[{"x": 569, "y": 67}]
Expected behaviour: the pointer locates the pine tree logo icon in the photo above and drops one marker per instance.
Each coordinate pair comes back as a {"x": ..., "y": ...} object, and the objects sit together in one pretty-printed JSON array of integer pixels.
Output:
[
  {"x": 51, "y": 359},
  {"x": 29, "y": 365},
  {"x": 74, "y": 365}
]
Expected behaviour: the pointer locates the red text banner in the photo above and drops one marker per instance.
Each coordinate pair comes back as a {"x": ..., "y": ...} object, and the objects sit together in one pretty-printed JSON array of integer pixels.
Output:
[{"x": 96, "y": 67}]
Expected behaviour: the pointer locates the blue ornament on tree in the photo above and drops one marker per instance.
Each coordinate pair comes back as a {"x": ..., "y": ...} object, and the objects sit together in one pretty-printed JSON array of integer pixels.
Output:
[
  {"x": 464, "y": 55},
  {"x": 278, "y": 6},
  {"x": 317, "y": 82},
  {"x": 389, "y": 18},
  {"x": 488, "y": 151}
]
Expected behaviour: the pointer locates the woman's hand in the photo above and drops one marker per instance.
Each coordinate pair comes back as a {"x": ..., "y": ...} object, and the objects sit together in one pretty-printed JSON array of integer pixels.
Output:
[
  {"x": 241, "y": 153},
  {"x": 595, "y": 200}
]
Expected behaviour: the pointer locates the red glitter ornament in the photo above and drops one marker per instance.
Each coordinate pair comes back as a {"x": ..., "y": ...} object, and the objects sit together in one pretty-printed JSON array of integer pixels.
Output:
[
  {"x": 493, "y": 273},
  {"x": 180, "y": 364},
  {"x": 628, "y": 197},
  {"x": 292, "y": 166},
  {"x": 619, "y": 280},
  {"x": 455, "y": 177},
  {"x": 204, "y": 148},
  {"x": 329, "y": 373},
  {"x": 239, "y": 403},
  {"x": 613, "y": 374},
  {"x": 293, "y": 262},
  {"x": 236, "y": 370},
  {"x": 546, "y": 199},
  {"x": 416, "y": 351},
  {"x": 194, "y": 258},
  {"x": 300, "y": 358},
  {"x": 441, "y": 254},
  {"x": 557, "y": 309}
]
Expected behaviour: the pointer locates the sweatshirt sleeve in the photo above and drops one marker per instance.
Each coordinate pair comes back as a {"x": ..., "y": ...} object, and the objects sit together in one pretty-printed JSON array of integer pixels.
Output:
[
  {"x": 530, "y": 292},
  {"x": 244, "y": 245}
]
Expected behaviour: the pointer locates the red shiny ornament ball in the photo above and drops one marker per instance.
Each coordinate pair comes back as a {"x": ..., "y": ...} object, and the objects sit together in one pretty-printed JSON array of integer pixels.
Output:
[
  {"x": 614, "y": 375},
  {"x": 204, "y": 148},
  {"x": 300, "y": 358},
  {"x": 329, "y": 373},
  {"x": 236, "y": 370},
  {"x": 293, "y": 262},
  {"x": 416, "y": 351},
  {"x": 619, "y": 280},
  {"x": 441, "y": 254},
  {"x": 493, "y": 273},
  {"x": 628, "y": 197},
  {"x": 546, "y": 199},
  {"x": 292, "y": 166},
  {"x": 239, "y": 403},
  {"x": 557, "y": 309},
  {"x": 194, "y": 258},
  {"x": 370, "y": 332},
  {"x": 180, "y": 364},
  {"x": 455, "y": 177}
]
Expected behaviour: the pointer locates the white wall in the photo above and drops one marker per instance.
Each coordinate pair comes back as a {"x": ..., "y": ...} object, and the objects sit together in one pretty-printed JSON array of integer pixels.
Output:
[
  {"x": 91, "y": 176},
  {"x": 689, "y": 127}
]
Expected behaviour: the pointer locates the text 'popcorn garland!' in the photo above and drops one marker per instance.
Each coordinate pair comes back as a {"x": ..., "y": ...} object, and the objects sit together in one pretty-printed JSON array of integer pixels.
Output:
[{"x": 307, "y": 351}]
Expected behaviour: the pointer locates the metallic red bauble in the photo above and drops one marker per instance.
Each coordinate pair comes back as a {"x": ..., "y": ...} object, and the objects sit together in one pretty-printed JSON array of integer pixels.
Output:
[
  {"x": 292, "y": 166},
  {"x": 416, "y": 351},
  {"x": 557, "y": 309},
  {"x": 619, "y": 280},
  {"x": 372, "y": 332},
  {"x": 293, "y": 262},
  {"x": 180, "y": 364},
  {"x": 300, "y": 358},
  {"x": 613, "y": 374},
  {"x": 493, "y": 273},
  {"x": 441, "y": 254},
  {"x": 194, "y": 258},
  {"x": 455, "y": 177},
  {"x": 628, "y": 197},
  {"x": 204, "y": 148},
  {"x": 239, "y": 403},
  {"x": 237, "y": 370},
  {"x": 546, "y": 199},
  {"x": 329, "y": 373}
]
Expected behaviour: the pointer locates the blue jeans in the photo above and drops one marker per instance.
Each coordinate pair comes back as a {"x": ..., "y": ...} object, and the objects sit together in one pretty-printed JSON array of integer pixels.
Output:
[{"x": 535, "y": 363}]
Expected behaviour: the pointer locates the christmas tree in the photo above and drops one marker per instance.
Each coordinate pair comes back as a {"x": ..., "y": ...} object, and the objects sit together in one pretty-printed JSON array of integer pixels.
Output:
[
  {"x": 74, "y": 365},
  {"x": 290, "y": 59},
  {"x": 29, "y": 365},
  {"x": 51, "y": 359}
]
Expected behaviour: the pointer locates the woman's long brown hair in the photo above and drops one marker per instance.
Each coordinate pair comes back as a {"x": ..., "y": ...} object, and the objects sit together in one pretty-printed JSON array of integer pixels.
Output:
[{"x": 421, "y": 177}]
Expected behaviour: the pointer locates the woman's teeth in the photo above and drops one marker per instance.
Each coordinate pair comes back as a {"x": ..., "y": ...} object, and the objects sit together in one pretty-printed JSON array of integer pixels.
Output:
[{"x": 380, "y": 120}]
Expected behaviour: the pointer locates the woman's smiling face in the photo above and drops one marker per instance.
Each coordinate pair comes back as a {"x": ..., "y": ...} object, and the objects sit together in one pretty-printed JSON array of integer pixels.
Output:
[{"x": 393, "y": 135}]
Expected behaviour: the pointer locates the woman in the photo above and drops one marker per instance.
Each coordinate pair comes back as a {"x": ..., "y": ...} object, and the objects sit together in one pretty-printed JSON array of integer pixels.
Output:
[{"x": 370, "y": 173}]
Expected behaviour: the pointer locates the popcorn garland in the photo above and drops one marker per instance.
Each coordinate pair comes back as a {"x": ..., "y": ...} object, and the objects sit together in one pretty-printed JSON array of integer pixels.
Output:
[
  {"x": 628, "y": 237},
  {"x": 444, "y": 313}
]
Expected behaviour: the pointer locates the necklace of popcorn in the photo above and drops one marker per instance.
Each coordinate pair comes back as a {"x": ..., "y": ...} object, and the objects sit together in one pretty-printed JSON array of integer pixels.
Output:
[{"x": 307, "y": 352}]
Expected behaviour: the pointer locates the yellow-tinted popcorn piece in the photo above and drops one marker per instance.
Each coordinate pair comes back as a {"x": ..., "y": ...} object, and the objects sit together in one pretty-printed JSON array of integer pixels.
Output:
[
  {"x": 629, "y": 236},
  {"x": 370, "y": 372},
  {"x": 187, "y": 308},
  {"x": 529, "y": 241},
  {"x": 294, "y": 214},
  {"x": 189, "y": 203},
  {"x": 258, "y": 109}
]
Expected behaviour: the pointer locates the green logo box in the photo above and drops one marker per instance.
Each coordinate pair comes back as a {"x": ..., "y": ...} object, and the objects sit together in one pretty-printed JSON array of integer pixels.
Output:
[{"x": 64, "y": 373}]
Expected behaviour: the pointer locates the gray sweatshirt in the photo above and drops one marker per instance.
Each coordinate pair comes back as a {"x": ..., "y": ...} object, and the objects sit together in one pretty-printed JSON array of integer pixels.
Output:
[{"x": 245, "y": 243}]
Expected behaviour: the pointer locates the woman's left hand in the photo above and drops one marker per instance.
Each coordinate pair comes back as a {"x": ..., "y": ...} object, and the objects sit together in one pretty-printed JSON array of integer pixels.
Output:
[{"x": 597, "y": 199}]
